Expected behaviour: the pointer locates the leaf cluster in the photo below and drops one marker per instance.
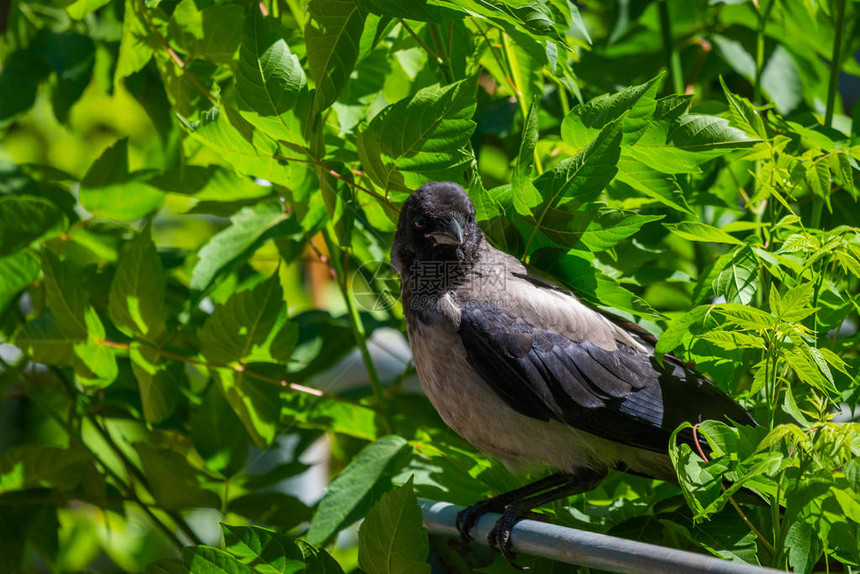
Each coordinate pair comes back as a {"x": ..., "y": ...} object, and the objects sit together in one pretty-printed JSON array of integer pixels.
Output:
[{"x": 198, "y": 200}]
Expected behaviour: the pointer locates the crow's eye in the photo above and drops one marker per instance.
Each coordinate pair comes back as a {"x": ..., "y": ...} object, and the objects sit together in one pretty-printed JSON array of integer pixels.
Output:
[
  {"x": 420, "y": 222},
  {"x": 471, "y": 218}
]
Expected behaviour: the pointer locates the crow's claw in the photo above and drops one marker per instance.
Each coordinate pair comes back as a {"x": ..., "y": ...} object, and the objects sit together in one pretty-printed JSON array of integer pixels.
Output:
[
  {"x": 500, "y": 537},
  {"x": 468, "y": 517}
]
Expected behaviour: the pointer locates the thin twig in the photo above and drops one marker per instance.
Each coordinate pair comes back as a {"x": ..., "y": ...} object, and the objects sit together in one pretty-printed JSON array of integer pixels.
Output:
[
  {"x": 359, "y": 332},
  {"x": 743, "y": 516},
  {"x": 496, "y": 58},
  {"x": 176, "y": 59},
  {"x": 342, "y": 178},
  {"x": 430, "y": 53},
  {"x": 295, "y": 387}
]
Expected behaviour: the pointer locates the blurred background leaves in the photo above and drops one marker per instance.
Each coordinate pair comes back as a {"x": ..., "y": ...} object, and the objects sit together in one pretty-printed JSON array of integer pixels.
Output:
[{"x": 197, "y": 202}]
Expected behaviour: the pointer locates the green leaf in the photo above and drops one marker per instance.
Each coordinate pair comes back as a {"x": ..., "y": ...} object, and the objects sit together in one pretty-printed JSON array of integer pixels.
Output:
[
  {"x": 804, "y": 548},
  {"x": 707, "y": 134},
  {"x": 97, "y": 367},
  {"x": 212, "y": 33},
  {"x": 251, "y": 326},
  {"x": 218, "y": 434},
  {"x": 525, "y": 69},
  {"x": 682, "y": 144},
  {"x": 270, "y": 80},
  {"x": 746, "y": 317},
  {"x": 266, "y": 550},
  {"x": 731, "y": 340},
  {"x": 108, "y": 190},
  {"x": 736, "y": 56},
  {"x": 339, "y": 201},
  {"x": 659, "y": 186},
  {"x": 611, "y": 226},
  {"x": 81, "y": 8},
  {"x": 72, "y": 57},
  {"x": 158, "y": 379},
  {"x": 392, "y": 539},
  {"x": 20, "y": 77},
  {"x": 274, "y": 508},
  {"x": 206, "y": 560},
  {"x": 16, "y": 273},
  {"x": 697, "y": 231},
  {"x": 585, "y": 121},
  {"x": 738, "y": 280},
  {"x": 139, "y": 41},
  {"x": 679, "y": 328},
  {"x": 576, "y": 180},
  {"x": 744, "y": 114},
  {"x": 175, "y": 483},
  {"x": 782, "y": 81},
  {"x": 136, "y": 300},
  {"x": 45, "y": 342},
  {"x": 794, "y": 306},
  {"x": 420, "y": 138},
  {"x": 26, "y": 218},
  {"x": 246, "y": 150},
  {"x": 66, "y": 296},
  {"x": 355, "y": 490},
  {"x": 209, "y": 184},
  {"x": 39, "y": 466},
  {"x": 524, "y": 194},
  {"x": 333, "y": 34},
  {"x": 249, "y": 229},
  {"x": 257, "y": 403}
]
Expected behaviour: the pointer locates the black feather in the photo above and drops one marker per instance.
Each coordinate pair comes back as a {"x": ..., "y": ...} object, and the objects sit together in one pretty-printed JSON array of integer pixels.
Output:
[{"x": 621, "y": 395}]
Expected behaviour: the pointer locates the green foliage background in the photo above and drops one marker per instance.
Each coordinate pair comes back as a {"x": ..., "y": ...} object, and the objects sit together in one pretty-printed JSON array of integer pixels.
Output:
[{"x": 191, "y": 193}]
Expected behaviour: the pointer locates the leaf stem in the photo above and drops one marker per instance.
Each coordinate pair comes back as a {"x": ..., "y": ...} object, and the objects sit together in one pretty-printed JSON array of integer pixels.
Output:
[
  {"x": 835, "y": 64},
  {"x": 294, "y": 387},
  {"x": 358, "y": 330},
  {"x": 759, "y": 47},
  {"x": 447, "y": 68},
  {"x": 499, "y": 63},
  {"x": 384, "y": 200},
  {"x": 673, "y": 58},
  {"x": 176, "y": 59},
  {"x": 430, "y": 53}
]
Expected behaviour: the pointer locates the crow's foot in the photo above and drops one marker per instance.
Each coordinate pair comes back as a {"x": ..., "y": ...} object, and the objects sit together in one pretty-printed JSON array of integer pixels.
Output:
[
  {"x": 500, "y": 536},
  {"x": 468, "y": 517}
]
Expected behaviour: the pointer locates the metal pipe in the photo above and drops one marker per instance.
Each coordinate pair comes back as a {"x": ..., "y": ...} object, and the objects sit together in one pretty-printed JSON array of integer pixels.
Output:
[{"x": 585, "y": 548}]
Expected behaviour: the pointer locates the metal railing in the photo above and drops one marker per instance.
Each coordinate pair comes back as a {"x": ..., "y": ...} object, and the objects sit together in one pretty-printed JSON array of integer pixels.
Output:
[{"x": 585, "y": 548}]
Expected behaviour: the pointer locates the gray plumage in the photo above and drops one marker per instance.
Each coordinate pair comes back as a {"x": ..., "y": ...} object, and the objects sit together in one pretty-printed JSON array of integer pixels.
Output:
[{"x": 524, "y": 370}]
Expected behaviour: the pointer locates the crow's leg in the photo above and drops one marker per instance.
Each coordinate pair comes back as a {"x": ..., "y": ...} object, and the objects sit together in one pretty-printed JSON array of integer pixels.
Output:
[
  {"x": 581, "y": 480},
  {"x": 467, "y": 517}
]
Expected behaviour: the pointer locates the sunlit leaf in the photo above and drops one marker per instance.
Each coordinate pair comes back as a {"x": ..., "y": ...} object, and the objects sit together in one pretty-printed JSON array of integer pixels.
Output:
[
  {"x": 392, "y": 539},
  {"x": 25, "y": 218},
  {"x": 420, "y": 138},
  {"x": 332, "y": 34},
  {"x": 357, "y": 488},
  {"x": 136, "y": 303},
  {"x": 270, "y": 80}
]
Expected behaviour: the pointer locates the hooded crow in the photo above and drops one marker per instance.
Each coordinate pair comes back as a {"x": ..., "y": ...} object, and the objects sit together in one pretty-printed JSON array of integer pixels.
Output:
[{"x": 528, "y": 373}]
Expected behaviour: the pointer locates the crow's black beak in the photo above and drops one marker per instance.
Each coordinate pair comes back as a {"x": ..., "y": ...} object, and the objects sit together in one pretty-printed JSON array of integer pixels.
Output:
[{"x": 448, "y": 232}]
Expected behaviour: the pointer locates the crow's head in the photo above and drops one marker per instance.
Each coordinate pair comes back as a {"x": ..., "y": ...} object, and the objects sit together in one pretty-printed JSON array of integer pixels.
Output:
[{"x": 437, "y": 223}]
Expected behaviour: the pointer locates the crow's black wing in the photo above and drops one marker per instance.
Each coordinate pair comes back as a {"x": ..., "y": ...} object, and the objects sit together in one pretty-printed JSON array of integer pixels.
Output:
[{"x": 622, "y": 395}]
